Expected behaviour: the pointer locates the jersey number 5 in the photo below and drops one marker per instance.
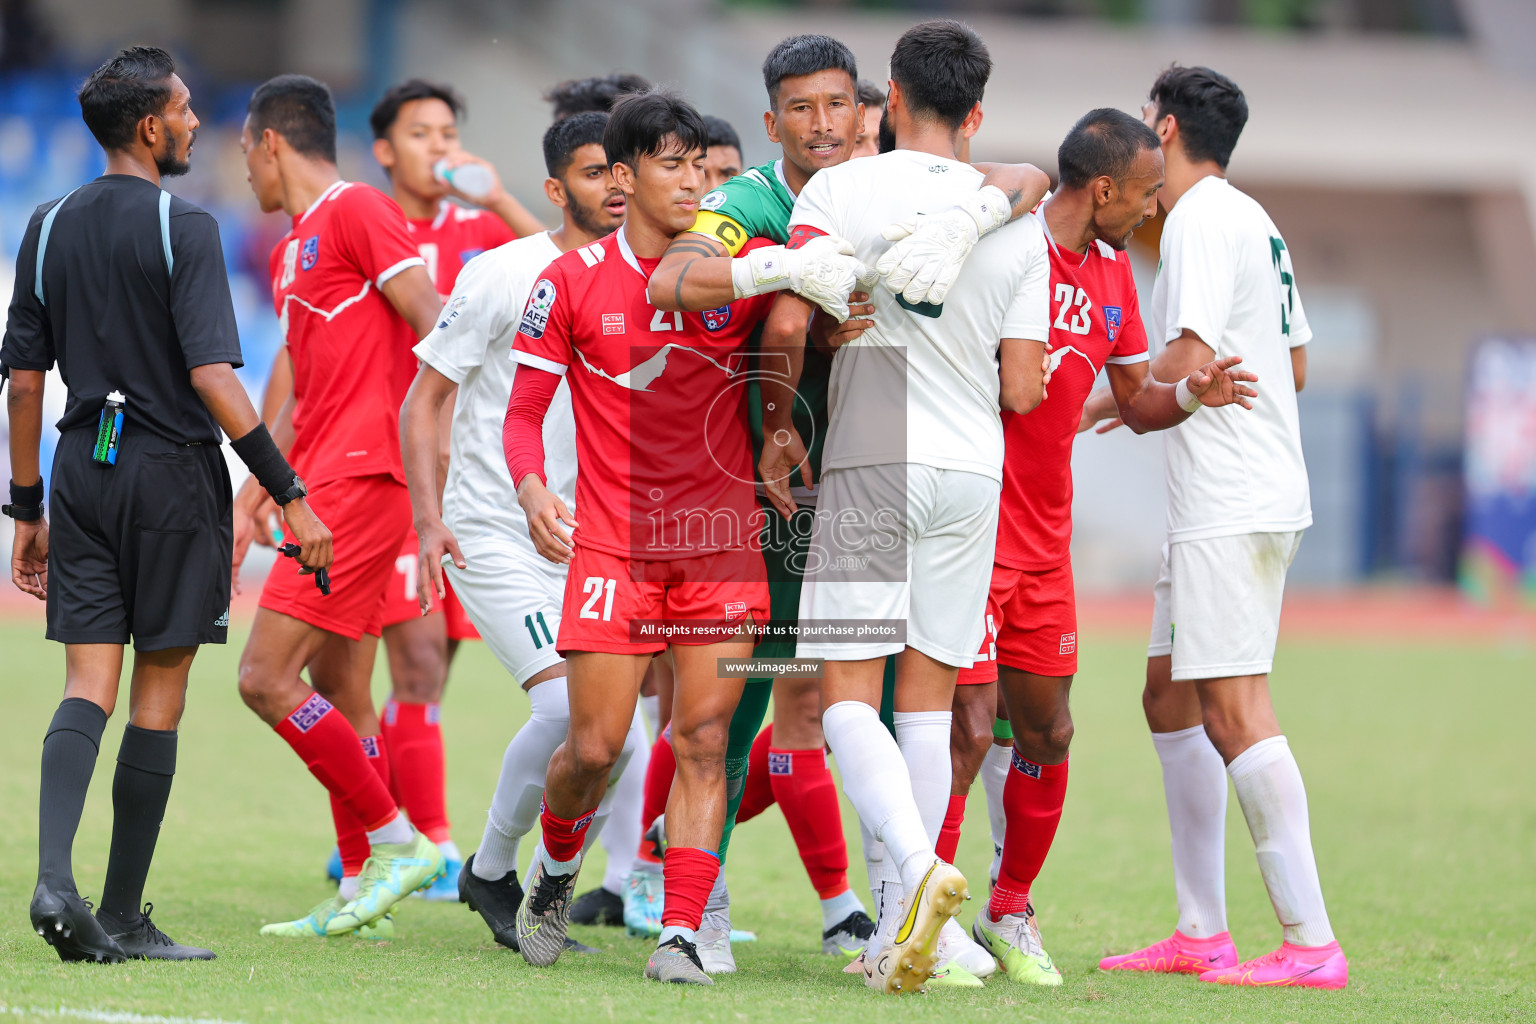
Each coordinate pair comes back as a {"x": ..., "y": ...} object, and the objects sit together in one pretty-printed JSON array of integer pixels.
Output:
[
  {"x": 1068, "y": 296},
  {"x": 595, "y": 587}
]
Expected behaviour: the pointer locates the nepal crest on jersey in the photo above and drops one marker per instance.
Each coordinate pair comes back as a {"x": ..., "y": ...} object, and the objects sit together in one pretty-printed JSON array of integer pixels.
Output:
[
  {"x": 1112, "y": 320},
  {"x": 715, "y": 319},
  {"x": 310, "y": 253}
]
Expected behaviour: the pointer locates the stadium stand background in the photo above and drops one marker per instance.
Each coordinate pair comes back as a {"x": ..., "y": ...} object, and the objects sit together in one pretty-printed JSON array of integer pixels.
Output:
[{"x": 1382, "y": 140}]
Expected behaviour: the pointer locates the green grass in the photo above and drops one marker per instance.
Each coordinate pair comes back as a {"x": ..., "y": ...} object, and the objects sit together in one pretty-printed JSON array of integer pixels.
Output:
[{"x": 1418, "y": 759}]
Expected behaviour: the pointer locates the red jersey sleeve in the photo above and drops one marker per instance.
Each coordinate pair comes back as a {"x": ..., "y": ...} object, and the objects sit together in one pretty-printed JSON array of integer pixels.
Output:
[
  {"x": 1131, "y": 338},
  {"x": 374, "y": 235},
  {"x": 545, "y": 336}
]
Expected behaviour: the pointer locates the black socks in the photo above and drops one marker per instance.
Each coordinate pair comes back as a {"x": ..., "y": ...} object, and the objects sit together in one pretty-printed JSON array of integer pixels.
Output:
[
  {"x": 69, "y": 758},
  {"x": 146, "y": 763}
]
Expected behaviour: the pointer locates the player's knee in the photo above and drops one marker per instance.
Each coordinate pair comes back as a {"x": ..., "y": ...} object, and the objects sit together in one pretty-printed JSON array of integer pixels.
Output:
[
  {"x": 593, "y": 754},
  {"x": 700, "y": 741},
  {"x": 254, "y": 685},
  {"x": 1058, "y": 735}
]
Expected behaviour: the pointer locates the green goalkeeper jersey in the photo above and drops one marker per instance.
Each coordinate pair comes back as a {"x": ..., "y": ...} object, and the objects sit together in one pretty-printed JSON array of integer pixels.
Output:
[{"x": 757, "y": 204}]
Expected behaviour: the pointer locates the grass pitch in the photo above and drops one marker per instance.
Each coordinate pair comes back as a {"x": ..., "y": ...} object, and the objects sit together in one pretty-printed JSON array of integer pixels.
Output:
[{"x": 1418, "y": 759}]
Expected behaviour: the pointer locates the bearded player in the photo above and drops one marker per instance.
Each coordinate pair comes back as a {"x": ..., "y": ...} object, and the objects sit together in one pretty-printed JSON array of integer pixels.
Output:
[
  {"x": 816, "y": 117},
  {"x": 352, "y": 295},
  {"x": 1226, "y": 287},
  {"x": 481, "y": 536},
  {"x": 1111, "y": 168}
]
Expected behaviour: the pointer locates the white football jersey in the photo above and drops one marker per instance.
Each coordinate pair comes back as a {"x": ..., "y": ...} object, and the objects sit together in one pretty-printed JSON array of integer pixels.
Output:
[
  {"x": 943, "y": 359},
  {"x": 1226, "y": 275},
  {"x": 472, "y": 346}
]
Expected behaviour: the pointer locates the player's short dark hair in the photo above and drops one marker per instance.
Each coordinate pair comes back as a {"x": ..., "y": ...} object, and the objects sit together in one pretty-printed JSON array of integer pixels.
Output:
[
  {"x": 299, "y": 109},
  {"x": 387, "y": 111},
  {"x": 1208, "y": 106},
  {"x": 598, "y": 93},
  {"x": 721, "y": 133},
  {"x": 563, "y": 138},
  {"x": 642, "y": 124},
  {"x": 870, "y": 94},
  {"x": 125, "y": 90},
  {"x": 942, "y": 67},
  {"x": 805, "y": 55},
  {"x": 1106, "y": 142}
]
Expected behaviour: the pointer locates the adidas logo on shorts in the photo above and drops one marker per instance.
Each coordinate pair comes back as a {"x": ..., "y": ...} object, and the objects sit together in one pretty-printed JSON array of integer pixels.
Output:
[{"x": 222, "y": 621}]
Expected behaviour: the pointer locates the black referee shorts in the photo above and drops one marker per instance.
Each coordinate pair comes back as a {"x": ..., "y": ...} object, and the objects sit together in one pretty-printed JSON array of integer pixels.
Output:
[{"x": 141, "y": 549}]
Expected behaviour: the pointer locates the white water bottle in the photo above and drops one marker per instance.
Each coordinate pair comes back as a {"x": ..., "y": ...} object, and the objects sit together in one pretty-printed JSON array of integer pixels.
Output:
[{"x": 473, "y": 180}]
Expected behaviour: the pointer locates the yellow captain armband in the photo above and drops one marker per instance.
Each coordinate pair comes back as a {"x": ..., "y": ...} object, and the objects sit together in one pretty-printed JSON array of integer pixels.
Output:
[{"x": 722, "y": 229}]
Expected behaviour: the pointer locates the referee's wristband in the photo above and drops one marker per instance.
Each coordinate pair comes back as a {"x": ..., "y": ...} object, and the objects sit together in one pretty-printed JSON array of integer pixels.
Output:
[
  {"x": 261, "y": 456},
  {"x": 26, "y": 502},
  {"x": 1186, "y": 398}
]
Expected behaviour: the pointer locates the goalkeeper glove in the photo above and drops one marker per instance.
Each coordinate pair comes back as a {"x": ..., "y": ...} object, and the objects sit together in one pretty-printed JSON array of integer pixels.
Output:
[
  {"x": 823, "y": 270},
  {"x": 930, "y": 249}
]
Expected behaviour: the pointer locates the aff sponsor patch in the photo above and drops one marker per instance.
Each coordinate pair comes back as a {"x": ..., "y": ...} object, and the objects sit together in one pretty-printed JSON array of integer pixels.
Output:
[
  {"x": 715, "y": 319},
  {"x": 452, "y": 310},
  {"x": 310, "y": 253},
  {"x": 1024, "y": 767},
  {"x": 536, "y": 316},
  {"x": 613, "y": 323},
  {"x": 1112, "y": 320},
  {"x": 780, "y": 763},
  {"x": 1068, "y": 643},
  {"x": 306, "y": 715},
  {"x": 713, "y": 201}
]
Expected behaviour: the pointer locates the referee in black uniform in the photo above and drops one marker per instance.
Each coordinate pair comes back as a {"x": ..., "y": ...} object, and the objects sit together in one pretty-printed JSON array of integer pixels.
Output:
[{"x": 123, "y": 285}]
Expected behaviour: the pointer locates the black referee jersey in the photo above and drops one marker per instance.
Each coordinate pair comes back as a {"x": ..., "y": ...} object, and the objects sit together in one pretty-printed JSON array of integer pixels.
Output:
[{"x": 123, "y": 286}]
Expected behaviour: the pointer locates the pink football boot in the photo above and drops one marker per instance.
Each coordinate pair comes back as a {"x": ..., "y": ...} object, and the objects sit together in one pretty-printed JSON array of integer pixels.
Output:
[
  {"x": 1178, "y": 954},
  {"x": 1305, "y": 966}
]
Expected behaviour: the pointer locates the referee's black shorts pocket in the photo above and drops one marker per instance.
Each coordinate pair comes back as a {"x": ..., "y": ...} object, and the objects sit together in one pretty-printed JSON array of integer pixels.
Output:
[{"x": 171, "y": 491}]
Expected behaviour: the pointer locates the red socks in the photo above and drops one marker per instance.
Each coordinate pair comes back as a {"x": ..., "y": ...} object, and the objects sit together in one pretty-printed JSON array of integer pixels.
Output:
[
  {"x": 563, "y": 836},
  {"x": 1032, "y": 801},
  {"x": 415, "y": 744},
  {"x": 658, "y": 786},
  {"x": 803, "y": 786},
  {"x": 351, "y": 837},
  {"x": 329, "y": 747},
  {"x": 758, "y": 795},
  {"x": 688, "y": 875},
  {"x": 949, "y": 835}
]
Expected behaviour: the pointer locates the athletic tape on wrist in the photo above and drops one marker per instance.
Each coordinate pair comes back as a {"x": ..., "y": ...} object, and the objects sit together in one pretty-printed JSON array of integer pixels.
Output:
[
  {"x": 261, "y": 456},
  {"x": 1185, "y": 397}
]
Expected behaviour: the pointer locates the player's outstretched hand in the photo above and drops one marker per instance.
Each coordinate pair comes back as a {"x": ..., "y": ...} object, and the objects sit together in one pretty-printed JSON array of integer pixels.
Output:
[
  {"x": 434, "y": 540},
  {"x": 29, "y": 557},
  {"x": 783, "y": 453},
  {"x": 549, "y": 521},
  {"x": 825, "y": 271},
  {"x": 829, "y": 335},
  {"x": 314, "y": 538},
  {"x": 1217, "y": 384}
]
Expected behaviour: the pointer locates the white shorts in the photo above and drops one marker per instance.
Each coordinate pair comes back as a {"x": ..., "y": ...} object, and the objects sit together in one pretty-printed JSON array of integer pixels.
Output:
[
  {"x": 513, "y": 596},
  {"x": 902, "y": 544},
  {"x": 1216, "y": 604}
]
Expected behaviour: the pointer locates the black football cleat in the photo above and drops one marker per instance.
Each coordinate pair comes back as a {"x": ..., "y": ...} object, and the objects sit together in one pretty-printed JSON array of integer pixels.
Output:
[
  {"x": 65, "y": 922},
  {"x": 496, "y": 902},
  {"x": 598, "y": 906},
  {"x": 141, "y": 940}
]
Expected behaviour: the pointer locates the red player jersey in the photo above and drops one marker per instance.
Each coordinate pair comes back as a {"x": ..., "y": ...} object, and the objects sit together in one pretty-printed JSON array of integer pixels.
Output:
[
  {"x": 454, "y": 237},
  {"x": 660, "y": 405},
  {"x": 1095, "y": 320},
  {"x": 352, "y": 359}
]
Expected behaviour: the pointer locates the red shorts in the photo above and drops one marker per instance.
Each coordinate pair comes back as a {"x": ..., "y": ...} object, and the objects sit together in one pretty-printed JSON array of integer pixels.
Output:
[
  {"x": 623, "y": 606},
  {"x": 400, "y": 603},
  {"x": 369, "y": 517},
  {"x": 1031, "y": 624}
]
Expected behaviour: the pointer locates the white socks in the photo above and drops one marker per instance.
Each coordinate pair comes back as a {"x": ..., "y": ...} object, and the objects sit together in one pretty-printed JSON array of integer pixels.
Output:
[
  {"x": 520, "y": 788},
  {"x": 877, "y": 783},
  {"x": 650, "y": 707},
  {"x": 994, "y": 776},
  {"x": 1270, "y": 791},
  {"x": 923, "y": 737},
  {"x": 621, "y": 834},
  {"x": 836, "y": 910},
  {"x": 1195, "y": 787},
  {"x": 874, "y": 859},
  {"x": 399, "y": 830}
]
